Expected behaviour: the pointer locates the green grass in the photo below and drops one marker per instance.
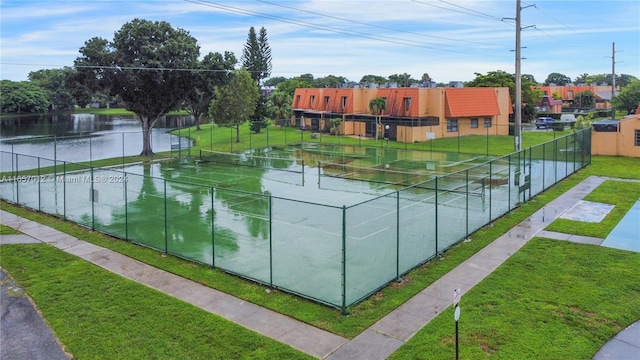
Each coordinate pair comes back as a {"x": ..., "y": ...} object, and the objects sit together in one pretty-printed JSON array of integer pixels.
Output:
[
  {"x": 214, "y": 137},
  {"x": 98, "y": 314},
  {"x": 618, "y": 193},
  {"x": 5, "y": 230},
  {"x": 551, "y": 300}
]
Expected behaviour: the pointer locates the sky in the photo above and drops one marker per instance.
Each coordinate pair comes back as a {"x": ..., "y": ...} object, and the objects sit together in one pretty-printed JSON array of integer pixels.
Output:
[{"x": 450, "y": 40}]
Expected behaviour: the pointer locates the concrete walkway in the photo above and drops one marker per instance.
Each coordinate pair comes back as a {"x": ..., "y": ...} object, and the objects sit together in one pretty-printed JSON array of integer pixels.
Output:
[{"x": 376, "y": 342}]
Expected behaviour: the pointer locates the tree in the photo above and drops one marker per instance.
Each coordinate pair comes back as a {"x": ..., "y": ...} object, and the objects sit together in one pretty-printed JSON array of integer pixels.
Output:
[
  {"x": 373, "y": 79},
  {"x": 137, "y": 66},
  {"x": 256, "y": 55},
  {"x": 376, "y": 107},
  {"x": 403, "y": 80},
  {"x": 258, "y": 120},
  {"x": 585, "y": 99},
  {"x": 235, "y": 102},
  {"x": 306, "y": 78},
  {"x": 499, "y": 78},
  {"x": 335, "y": 125},
  {"x": 329, "y": 81},
  {"x": 23, "y": 96},
  {"x": 558, "y": 79},
  {"x": 279, "y": 105},
  {"x": 425, "y": 77},
  {"x": 58, "y": 83},
  {"x": 582, "y": 79},
  {"x": 274, "y": 81},
  {"x": 290, "y": 86},
  {"x": 214, "y": 70},
  {"x": 628, "y": 98}
]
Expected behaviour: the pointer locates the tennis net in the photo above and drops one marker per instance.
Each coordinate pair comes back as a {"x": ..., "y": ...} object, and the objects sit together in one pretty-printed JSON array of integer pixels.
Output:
[{"x": 265, "y": 161}]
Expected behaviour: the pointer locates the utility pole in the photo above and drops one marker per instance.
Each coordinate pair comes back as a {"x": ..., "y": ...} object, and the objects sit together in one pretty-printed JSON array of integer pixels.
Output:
[
  {"x": 517, "y": 126},
  {"x": 613, "y": 79},
  {"x": 518, "y": 109}
]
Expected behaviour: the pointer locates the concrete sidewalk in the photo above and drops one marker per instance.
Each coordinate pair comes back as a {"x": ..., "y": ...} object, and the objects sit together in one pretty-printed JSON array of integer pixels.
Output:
[{"x": 376, "y": 342}]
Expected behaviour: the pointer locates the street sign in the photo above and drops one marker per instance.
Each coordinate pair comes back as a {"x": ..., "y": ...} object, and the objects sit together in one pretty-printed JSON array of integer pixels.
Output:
[
  {"x": 456, "y": 296},
  {"x": 456, "y": 313}
]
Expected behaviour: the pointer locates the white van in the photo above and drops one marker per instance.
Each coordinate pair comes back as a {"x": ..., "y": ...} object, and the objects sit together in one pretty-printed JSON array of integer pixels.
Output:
[{"x": 568, "y": 118}]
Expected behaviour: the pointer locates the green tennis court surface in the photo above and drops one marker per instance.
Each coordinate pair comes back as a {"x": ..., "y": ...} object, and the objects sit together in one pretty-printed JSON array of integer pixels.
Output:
[{"x": 331, "y": 223}]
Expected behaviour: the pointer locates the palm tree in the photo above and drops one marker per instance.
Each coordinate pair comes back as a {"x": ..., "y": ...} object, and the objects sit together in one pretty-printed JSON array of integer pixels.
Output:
[
  {"x": 279, "y": 105},
  {"x": 376, "y": 107}
]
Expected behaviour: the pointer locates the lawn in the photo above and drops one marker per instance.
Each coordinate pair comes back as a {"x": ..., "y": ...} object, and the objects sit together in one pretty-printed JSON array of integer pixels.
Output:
[
  {"x": 623, "y": 195},
  {"x": 551, "y": 300},
  {"x": 100, "y": 315}
]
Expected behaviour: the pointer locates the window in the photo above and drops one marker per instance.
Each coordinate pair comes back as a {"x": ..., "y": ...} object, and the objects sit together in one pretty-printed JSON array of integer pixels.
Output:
[
  {"x": 344, "y": 102},
  {"x": 312, "y": 100},
  {"x": 474, "y": 123},
  {"x": 487, "y": 122},
  {"x": 637, "y": 142},
  {"x": 570, "y": 94},
  {"x": 407, "y": 103},
  {"x": 297, "y": 100},
  {"x": 326, "y": 102},
  {"x": 452, "y": 125}
]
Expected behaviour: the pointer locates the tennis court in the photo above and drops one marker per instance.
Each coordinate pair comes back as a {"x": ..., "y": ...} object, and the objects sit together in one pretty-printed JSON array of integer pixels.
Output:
[{"x": 328, "y": 222}]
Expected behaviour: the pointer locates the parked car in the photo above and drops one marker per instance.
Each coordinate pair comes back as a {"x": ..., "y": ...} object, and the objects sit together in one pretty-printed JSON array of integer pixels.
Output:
[{"x": 544, "y": 122}]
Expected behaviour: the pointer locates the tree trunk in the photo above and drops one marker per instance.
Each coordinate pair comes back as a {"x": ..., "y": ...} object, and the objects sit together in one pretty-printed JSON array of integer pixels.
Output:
[
  {"x": 147, "y": 124},
  {"x": 237, "y": 133},
  {"x": 197, "y": 115}
]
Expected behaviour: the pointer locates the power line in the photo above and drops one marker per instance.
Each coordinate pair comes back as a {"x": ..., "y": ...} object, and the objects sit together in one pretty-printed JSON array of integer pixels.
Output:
[
  {"x": 393, "y": 40},
  {"x": 472, "y": 11},
  {"x": 550, "y": 16},
  {"x": 374, "y": 25}
]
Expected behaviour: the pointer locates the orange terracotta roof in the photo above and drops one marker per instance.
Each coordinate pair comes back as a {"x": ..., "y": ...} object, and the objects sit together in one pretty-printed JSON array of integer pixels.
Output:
[{"x": 465, "y": 102}]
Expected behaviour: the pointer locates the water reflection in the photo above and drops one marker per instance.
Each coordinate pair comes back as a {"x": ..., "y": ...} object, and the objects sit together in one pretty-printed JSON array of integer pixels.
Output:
[{"x": 81, "y": 137}]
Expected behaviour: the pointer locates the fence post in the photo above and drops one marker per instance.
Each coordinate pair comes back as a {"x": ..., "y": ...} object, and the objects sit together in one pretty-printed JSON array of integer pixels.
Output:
[
  {"x": 490, "y": 188},
  {"x": 39, "y": 192},
  {"x": 123, "y": 149},
  {"x": 270, "y": 243},
  {"x": 213, "y": 233},
  {"x": 166, "y": 232},
  {"x": 17, "y": 182},
  {"x": 344, "y": 260},
  {"x": 467, "y": 202},
  {"x": 509, "y": 187},
  {"x": 436, "y": 215},
  {"x": 93, "y": 200},
  {"x": 64, "y": 190},
  {"x": 398, "y": 236},
  {"x": 544, "y": 165},
  {"x": 530, "y": 175},
  {"x": 566, "y": 156},
  {"x": 126, "y": 207}
]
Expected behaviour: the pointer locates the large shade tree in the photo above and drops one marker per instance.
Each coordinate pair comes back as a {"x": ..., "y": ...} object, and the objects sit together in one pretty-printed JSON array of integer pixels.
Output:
[
  {"x": 59, "y": 84},
  {"x": 23, "y": 96},
  {"x": 629, "y": 97},
  {"x": 214, "y": 70},
  {"x": 235, "y": 102},
  {"x": 558, "y": 79},
  {"x": 499, "y": 78},
  {"x": 147, "y": 65}
]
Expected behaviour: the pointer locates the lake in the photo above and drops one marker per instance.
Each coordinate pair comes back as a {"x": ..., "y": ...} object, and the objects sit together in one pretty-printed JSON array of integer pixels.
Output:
[{"x": 81, "y": 137}]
